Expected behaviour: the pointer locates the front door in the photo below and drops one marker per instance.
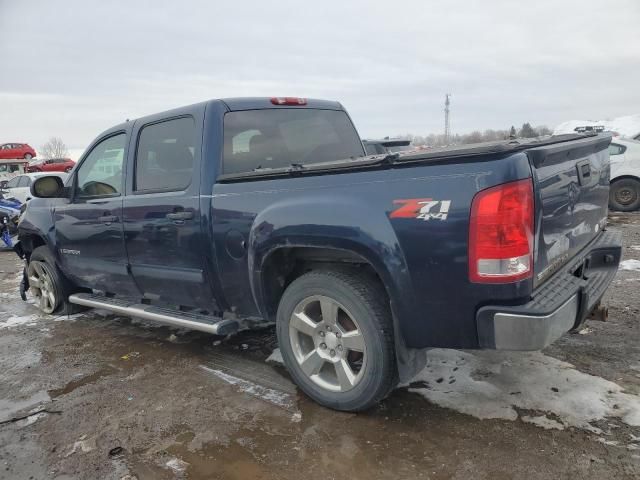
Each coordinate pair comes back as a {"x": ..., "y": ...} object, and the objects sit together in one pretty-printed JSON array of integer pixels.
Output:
[
  {"x": 89, "y": 231},
  {"x": 163, "y": 234}
]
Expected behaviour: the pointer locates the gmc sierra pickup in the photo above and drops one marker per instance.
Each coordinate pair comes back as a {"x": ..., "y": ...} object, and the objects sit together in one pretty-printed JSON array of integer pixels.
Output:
[{"x": 228, "y": 212}]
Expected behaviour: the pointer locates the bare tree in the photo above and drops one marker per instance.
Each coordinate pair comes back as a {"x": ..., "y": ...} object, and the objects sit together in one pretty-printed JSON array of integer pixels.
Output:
[{"x": 54, "y": 148}]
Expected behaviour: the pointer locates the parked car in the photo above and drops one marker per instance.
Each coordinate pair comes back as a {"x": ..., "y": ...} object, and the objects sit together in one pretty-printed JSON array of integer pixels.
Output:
[
  {"x": 241, "y": 211},
  {"x": 52, "y": 165},
  {"x": 17, "y": 150},
  {"x": 20, "y": 187},
  {"x": 386, "y": 146},
  {"x": 624, "y": 194}
]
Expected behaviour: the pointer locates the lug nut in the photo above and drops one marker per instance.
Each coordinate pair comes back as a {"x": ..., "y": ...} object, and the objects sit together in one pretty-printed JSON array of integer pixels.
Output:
[
  {"x": 338, "y": 334},
  {"x": 339, "y": 348},
  {"x": 322, "y": 334},
  {"x": 332, "y": 353},
  {"x": 323, "y": 346},
  {"x": 328, "y": 328}
]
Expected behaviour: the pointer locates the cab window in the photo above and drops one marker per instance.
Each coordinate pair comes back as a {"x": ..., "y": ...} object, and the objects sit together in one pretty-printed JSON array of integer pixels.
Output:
[
  {"x": 164, "y": 159},
  {"x": 616, "y": 149},
  {"x": 100, "y": 174}
]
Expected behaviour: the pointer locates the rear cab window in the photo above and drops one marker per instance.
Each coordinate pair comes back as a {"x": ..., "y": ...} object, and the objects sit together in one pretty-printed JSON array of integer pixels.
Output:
[
  {"x": 165, "y": 154},
  {"x": 278, "y": 138}
]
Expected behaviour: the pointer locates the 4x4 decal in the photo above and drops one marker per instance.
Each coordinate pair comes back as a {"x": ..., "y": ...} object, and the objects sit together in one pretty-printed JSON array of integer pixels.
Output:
[{"x": 422, "y": 208}]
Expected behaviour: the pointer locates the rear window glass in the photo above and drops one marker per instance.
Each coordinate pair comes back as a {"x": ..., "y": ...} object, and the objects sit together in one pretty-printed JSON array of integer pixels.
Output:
[
  {"x": 277, "y": 138},
  {"x": 165, "y": 155}
]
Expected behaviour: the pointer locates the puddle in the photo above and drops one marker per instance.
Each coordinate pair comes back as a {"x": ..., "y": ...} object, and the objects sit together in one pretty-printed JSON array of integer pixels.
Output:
[{"x": 74, "y": 384}]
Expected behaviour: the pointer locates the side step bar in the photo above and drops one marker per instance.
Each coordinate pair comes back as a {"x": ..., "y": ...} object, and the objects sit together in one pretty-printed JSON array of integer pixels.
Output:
[{"x": 193, "y": 321}]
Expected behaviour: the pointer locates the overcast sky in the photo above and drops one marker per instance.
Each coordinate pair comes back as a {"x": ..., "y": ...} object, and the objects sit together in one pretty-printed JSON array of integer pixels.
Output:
[{"x": 72, "y": 68}]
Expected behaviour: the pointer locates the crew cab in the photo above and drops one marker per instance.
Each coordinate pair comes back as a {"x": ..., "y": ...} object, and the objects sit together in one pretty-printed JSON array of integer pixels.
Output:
[{"x": 231, "y": 213}]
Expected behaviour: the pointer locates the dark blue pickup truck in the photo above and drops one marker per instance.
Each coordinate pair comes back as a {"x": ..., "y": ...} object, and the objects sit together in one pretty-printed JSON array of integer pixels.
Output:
[{"x": 233, "y": 212}]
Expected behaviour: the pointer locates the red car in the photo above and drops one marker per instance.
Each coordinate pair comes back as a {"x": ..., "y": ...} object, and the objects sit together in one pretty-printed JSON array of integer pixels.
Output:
[
  {"x": 17, "y": 150},
  {"x": 52, "y": 165}
]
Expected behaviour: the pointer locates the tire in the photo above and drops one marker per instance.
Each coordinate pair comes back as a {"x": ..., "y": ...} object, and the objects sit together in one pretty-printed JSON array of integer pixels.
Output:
[
  {"x": 349, "y": 363},
  {"x": 624, "y": 195},
  {"x": 43, "y": 272},
  {"x": 28, "y": 156},
  {"x": 68, "y": 169}
]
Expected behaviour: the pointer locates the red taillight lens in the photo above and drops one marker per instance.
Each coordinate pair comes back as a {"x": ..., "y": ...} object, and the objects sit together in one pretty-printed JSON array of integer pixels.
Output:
[
  {"x": 501, "y": 233},
  {"x": 288, "y": 101}
]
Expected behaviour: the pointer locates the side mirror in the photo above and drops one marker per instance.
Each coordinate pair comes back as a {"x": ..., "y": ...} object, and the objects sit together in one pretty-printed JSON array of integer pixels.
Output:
[{"x": 48, "y": 187}]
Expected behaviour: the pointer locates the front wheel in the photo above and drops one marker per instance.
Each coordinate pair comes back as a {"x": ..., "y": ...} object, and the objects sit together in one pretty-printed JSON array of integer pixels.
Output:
[
  {"x": 336, "y": 338},
  {"x": 624, "y": 195},
  {"x": 47, "y": 285}
]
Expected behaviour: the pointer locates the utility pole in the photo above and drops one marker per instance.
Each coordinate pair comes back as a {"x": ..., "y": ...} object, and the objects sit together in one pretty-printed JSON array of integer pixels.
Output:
[{"x": 447, "y": 126}]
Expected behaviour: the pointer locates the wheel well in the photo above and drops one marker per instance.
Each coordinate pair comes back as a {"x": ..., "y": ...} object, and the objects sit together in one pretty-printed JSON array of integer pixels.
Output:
[
  {"x": 284, "y": 265},
  {"x": 30, "y": 243},
  {"x": 625, "y": 177}
]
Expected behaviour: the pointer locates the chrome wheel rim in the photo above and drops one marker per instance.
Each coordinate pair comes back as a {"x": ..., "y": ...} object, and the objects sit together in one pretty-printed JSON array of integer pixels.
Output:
[
  {"x": 41, "y": 286},
  {"x": 327, "y": 343}
]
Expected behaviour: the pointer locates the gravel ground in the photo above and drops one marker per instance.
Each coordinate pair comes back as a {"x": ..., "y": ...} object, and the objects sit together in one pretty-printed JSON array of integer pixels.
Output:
[{"x": 106, "y": 397}]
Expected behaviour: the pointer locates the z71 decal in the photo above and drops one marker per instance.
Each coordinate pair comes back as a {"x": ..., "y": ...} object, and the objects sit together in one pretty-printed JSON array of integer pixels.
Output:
[{"x": 422, "y": 208}]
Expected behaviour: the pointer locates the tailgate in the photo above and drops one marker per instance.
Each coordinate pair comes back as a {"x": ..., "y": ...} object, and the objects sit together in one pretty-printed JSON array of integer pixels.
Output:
[{"x": 571, "y": 180}]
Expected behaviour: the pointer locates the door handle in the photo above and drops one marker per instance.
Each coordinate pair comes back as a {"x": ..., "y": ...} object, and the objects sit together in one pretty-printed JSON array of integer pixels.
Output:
[
  {"x": 108, "y": 219},
  {"x": 180, "y": 216}
]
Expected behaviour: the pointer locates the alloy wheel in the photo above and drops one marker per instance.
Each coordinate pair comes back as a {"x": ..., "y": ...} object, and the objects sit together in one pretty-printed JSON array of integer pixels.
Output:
[
  {"x": 327, "y": 343},
  {"x": 41, "y": 285}
]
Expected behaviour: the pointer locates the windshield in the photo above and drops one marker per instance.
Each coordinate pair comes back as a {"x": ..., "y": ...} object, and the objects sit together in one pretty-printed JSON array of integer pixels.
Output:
[{"x": 279, "y": 138}]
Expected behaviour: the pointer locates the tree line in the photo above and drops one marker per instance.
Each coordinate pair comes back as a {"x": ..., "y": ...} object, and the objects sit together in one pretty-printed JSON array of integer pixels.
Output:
[{"x": 477, "y": 136}]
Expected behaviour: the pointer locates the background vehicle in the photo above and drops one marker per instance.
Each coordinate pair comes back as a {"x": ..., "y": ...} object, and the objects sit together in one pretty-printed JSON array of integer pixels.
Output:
[
  {"x": 11, "y": 168},
  {"x": 20, "y": 187},
  {"x": 243, "y": 210},
  {"x": 17, "y": 150},
  {"x": 625, "y": 175},
  {"x": 52, "y": 165},
  {"x": 380, "y": 147}
]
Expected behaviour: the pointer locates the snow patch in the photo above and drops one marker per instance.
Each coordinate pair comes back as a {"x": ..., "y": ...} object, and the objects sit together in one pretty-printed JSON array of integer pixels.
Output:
[
  {"x": 543, "y": 421},
  {"x": 270, "y": 395},
  {"x": 275, "y": 357},
  {"x": 15, "y": 320},
  {"x": 493, "y": 385},
  {"x": 630, "y": 265},
  {"x": 177, "y": 465}
]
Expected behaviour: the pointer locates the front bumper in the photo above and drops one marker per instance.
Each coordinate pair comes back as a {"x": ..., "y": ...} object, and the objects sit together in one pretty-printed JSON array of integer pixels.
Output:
[{"x": 561, "y": 304}]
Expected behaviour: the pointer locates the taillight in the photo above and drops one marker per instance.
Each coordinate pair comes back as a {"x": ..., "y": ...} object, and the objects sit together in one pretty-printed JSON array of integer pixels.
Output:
[
  {"x": 501, "y": 233},
  {"x": 288, "y": 101}
]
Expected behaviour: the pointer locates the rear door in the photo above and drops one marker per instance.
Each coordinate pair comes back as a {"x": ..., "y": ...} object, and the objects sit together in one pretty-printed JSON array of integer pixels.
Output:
[
  {"x": 163, "y": 233},
  {"x": 572, "y": 188}
]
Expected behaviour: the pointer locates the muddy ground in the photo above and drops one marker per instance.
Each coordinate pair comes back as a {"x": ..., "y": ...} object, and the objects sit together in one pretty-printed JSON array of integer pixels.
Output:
[{"x": 104, "y": 397}]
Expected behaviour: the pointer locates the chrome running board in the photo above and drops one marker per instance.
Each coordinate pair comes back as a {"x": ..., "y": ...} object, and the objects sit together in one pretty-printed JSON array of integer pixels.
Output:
[{"x": 167, "y": 316}]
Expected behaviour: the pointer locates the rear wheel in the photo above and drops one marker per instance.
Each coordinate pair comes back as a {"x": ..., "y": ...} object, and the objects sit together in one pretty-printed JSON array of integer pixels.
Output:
[
  {"x": 28, "y": 156},
  {"x": 624, "y": 195},
  {"x": 68, "y": 169},
  {"x": 336, "y": 338},
  {"x": 47, "y": 285}
]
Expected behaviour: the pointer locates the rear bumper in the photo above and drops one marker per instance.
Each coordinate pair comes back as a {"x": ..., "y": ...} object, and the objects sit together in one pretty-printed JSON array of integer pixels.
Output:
[{"x": 561, "y": 304}]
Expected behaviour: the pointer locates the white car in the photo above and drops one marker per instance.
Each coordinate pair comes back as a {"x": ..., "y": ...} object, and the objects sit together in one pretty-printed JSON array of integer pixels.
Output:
[
  {"x": 624, "y": 194},
  {"x": 19, "y": 187}
]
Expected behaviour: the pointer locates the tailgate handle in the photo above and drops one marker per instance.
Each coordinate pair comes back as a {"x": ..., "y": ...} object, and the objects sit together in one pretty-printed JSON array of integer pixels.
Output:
[{"x": 584, "y": 171}]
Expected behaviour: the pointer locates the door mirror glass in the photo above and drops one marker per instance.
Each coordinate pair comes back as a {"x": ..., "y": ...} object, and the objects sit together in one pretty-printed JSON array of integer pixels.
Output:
[{"x": 48, "y": 187}]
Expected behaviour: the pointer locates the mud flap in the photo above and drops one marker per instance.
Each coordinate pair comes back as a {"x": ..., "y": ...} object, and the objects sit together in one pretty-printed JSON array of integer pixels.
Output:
[{"x": 24, "y": 284}]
